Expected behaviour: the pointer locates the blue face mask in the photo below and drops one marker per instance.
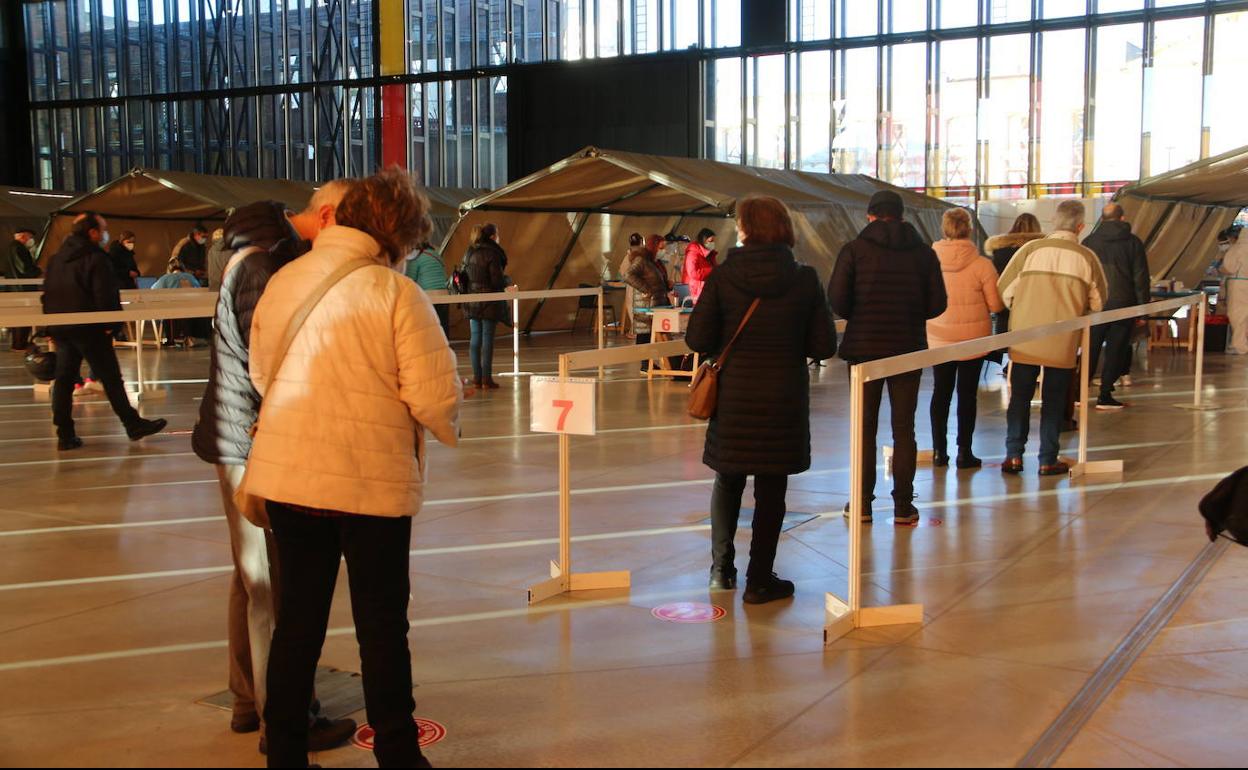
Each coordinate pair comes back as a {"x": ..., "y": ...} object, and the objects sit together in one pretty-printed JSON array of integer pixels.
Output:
[{"x": 104, "y": 238}]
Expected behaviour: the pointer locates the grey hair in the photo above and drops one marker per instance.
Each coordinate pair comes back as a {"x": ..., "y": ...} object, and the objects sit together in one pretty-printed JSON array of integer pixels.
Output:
[
  {"x": 329, "y": 194},
  {"x": 1070, "y": 215}
]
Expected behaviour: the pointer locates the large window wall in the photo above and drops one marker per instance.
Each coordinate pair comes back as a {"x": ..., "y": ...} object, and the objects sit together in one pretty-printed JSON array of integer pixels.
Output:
[
  {"x": 970, "y": 99},
  {"x": 995, "y": 99}
]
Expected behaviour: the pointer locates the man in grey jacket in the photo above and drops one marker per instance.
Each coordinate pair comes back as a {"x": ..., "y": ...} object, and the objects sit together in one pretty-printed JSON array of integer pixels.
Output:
[
  {"x": 1125, "y": 261},
  {"x": 263, "y": 238}
]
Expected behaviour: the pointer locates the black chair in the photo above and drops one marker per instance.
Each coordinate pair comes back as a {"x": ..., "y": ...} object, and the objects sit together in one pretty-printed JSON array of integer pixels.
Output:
[{"x": 590, "y": 302}]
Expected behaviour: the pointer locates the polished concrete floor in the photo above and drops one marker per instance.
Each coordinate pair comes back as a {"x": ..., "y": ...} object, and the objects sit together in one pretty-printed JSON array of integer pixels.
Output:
[{"x": 114, "y": 564}]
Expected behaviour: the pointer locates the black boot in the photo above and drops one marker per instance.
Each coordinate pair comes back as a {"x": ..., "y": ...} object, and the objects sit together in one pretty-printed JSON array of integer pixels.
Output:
[{"x": 767, "y": 589}]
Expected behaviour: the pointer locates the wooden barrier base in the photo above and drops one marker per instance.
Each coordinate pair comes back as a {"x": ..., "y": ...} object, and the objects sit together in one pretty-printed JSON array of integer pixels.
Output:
[
  {"x": 841, "y": 620},
  {"x": 560, "y": 583},
  {"x": 1096, "y": 468},
  {"x": 1201, "y": 408}
]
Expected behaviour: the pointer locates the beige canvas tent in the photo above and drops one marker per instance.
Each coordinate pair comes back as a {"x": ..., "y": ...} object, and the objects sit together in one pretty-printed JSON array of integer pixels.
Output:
[
  {"x": 23, "y": 207},
  {"x": 569, "y": 224},
  {"x": 1178, "y": 215},
  {"x": 162, "y": 206},
  {"x": 444, "y": 203}
]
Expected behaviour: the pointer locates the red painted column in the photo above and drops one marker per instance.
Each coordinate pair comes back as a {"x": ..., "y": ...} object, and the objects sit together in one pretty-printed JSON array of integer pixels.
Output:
[{"x": 394, "y": 125}]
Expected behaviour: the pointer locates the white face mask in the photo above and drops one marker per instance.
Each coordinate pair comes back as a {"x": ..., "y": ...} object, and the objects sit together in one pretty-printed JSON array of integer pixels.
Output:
[{"x": 104, "y": 238}]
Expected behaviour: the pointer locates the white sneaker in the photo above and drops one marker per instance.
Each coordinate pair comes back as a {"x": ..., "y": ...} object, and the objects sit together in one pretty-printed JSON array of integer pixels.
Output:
[
  {"x": 1125, "y": 381},
  {"x": 93, "y": 386}
]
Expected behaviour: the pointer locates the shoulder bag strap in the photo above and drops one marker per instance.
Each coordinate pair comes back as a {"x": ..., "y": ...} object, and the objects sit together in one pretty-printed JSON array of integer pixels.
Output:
[
  {"x": 309, "y": 304},
  {"x": 723, "y": 356}
]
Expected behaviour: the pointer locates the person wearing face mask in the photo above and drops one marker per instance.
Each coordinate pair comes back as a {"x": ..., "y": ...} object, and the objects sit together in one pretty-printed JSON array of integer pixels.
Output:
[
  {"x": 700, "y": 260},
  {"x": 121, "y": 254},
  {"x": 20, "y": 264},
  {"x": 80, "y": 279},
  {"x": 192, "y": 252}
]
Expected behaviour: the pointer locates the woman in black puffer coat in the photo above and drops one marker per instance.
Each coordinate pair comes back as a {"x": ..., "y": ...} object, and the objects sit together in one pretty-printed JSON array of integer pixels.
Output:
[{"x": 762, "y": 428}]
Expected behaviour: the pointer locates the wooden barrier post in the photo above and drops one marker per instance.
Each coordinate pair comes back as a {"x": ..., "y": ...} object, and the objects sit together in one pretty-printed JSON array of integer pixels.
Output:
[
  {"x": 562, "y": 579},
  {"x": 1198, "y": 401},
  {"x": 844, "y": 616},
  {"x": 1082, "y": 467}
]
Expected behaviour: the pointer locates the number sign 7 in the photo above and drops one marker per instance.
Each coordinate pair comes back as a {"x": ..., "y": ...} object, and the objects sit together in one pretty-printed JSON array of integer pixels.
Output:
[{"x": 566, "y": 406}]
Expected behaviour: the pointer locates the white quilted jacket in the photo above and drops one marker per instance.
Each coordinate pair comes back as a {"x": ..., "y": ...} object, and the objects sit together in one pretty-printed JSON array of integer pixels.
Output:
[{"x": 342, "y": 424}]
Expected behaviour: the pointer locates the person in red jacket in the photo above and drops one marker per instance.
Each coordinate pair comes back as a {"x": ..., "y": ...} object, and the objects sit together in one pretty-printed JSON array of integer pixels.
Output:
[{"x": 699, "y": 262}]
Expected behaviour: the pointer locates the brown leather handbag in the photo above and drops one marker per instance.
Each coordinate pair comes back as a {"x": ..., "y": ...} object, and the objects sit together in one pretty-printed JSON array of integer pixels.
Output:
[{"x": 704, "y": 390}]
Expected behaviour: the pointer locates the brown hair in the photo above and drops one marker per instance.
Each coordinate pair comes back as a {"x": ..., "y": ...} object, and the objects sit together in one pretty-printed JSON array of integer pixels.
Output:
[
  {"x": 765, "y": 220},
  {"x": 487, "y": 233},
  {"x": 390, "y": 207},
  {"x": 1026, "y": 223},
  {"x": 956, "y": 224}
]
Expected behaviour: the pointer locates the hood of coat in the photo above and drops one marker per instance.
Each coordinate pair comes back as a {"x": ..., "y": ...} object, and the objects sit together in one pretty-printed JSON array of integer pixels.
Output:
[
  {"x": 764, "y": 270},
  {"x": 1113, "y": 231},
  {"x": 1011, "y": 241},
  {"x": 955, "y": 256},
  {"x": 892, "y": 234},
  {"x": 78, "y": 247}
]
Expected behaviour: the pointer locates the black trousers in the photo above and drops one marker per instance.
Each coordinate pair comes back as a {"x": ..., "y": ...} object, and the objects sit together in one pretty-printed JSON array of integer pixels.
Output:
[
  {"x": 769, "y": 510},
  {"x": 1116, "y": 338},
  {"x": 309, "y": 548},
  {"x": 903, "y": 397},
  {"x": 20, "y": 337},
  {"x": 962, "y": 376},
  {"x": 97, "y": 348}
]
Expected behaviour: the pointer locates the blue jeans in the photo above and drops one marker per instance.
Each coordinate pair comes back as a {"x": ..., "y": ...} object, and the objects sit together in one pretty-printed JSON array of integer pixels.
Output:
[
  {"x": 1052, "y": 411},
  {"x": 481, "y": 348}
]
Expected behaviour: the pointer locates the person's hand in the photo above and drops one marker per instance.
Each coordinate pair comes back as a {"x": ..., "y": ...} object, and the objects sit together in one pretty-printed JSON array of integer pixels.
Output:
[
  {"x": 133, "y": 274},
  {"x": 469, "y": 388},
  {"x": 512, "y": 289}
]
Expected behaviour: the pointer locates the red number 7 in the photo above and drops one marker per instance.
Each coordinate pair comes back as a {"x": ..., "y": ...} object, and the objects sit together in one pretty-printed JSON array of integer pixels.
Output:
[{"x": 566, "y": 406}]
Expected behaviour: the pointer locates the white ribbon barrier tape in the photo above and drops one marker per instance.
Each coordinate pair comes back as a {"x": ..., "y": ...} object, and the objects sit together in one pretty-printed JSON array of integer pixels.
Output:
[
  {"x": 507, "y": 296},
  {"x": 890, "y": 367},
  {"x": 203, "y": 306}
]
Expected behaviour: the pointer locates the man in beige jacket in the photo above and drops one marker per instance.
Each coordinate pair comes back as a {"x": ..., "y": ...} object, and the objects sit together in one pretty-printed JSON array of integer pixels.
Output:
[{"x": 1050, "y": 280}]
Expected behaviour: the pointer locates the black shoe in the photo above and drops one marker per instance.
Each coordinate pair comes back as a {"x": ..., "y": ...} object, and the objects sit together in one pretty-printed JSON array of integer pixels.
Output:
[
  {"x": 940, "y": 459},
  {"x": 245, "y": 723},
  {"x": 866, "y": 512},
  {"x": 906, "y": 515},
  {"x": 1056, "y": 469},
  {"x": 145, "y": 428},
  {"x": 967, "y": 461},
  {"x": 68, "y": 444},
  {"x": 1107, "y": 403},
  {"x": 768, "y": 589},
  {"x": 1012, "y": 465},
  {"x": 323, "y": 734},
  {"x": 723, "y": 581}
]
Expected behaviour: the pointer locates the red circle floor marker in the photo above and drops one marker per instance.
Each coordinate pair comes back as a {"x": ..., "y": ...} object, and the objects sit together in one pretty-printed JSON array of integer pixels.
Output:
[
  {"x": 689, "y": 612},
  {"x": 430, "y": 732}
]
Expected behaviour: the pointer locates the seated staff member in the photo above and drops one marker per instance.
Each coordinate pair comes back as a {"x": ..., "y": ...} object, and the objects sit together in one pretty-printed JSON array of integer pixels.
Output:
[{"x": 176, "y": 277}]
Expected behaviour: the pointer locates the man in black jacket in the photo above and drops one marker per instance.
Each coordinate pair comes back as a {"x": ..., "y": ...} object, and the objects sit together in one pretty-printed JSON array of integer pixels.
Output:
[
  {"x": 193, "y": 253},
  {"x": 887, "y": 284},
  {"x": 80, "y": 280},
  {"x": 20, "y": 264},
  {"x": 1125, "y": 261}
]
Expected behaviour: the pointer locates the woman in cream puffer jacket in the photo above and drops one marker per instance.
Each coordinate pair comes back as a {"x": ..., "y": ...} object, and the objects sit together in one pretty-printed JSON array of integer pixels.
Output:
[
  {"x": 971, "y": 285},
  {"x": 339, "y": 456},
  {"x": 342, "y": 425}
]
